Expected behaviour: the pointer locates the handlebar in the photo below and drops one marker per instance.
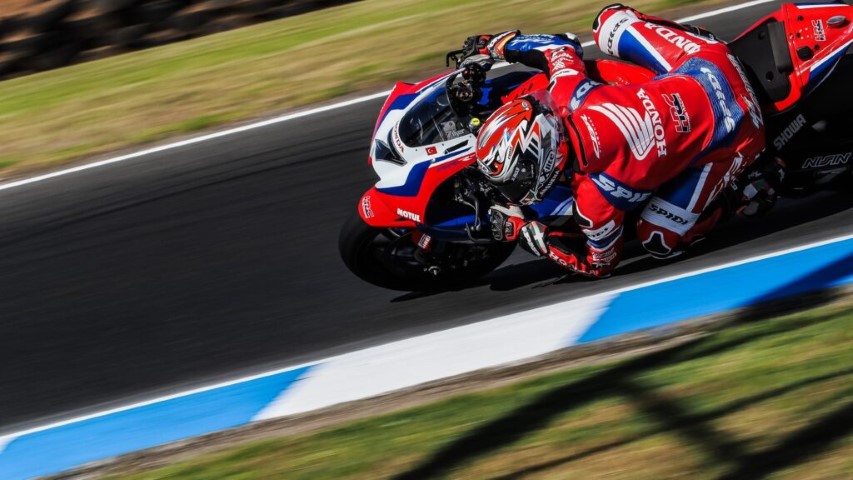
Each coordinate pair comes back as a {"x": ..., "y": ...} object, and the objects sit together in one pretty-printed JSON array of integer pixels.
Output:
[{"x": 454, "y": 55}]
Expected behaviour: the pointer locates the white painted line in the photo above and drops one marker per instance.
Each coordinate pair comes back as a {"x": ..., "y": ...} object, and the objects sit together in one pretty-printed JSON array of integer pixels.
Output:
[
  {"x": 508, "y": 318},
  {"x": 191, "y": 141},
  {"x": 721, "y": 11},
  {"x": 414, "y": 361},
  {"x": 9, "y": 437},
  {"x": 818, "y": 5},
  {"x": 757, "y": 258},
  {"x": 285, "y": 118},
  {"x": 4, "y": 441}
]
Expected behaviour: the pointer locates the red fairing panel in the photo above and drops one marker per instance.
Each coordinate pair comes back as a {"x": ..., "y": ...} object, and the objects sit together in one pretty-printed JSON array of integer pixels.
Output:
[
  {"x": 380, "y": 209},
  {"x": 809, "y": 26},
  {"x": 826, "y": 30},
  {"x": 377, "y": 210}
]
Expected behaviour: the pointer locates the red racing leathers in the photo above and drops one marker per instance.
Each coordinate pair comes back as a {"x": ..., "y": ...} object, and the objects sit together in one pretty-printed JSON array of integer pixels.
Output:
[{"x": 671, "y": 144}]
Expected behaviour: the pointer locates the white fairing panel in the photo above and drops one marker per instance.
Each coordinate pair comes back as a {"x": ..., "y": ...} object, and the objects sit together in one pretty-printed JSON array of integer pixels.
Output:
[{"x": 394, "y": 175}]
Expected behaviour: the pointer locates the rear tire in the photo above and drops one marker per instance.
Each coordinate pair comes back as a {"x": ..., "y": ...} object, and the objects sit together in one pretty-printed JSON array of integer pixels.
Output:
[{"x": 387, "y": 258}]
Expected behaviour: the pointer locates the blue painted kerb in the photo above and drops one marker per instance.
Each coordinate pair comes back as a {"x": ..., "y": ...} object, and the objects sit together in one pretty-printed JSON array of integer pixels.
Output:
[
  {"x": 726, "y": 289},
  {"x": 61, "y": 448}
]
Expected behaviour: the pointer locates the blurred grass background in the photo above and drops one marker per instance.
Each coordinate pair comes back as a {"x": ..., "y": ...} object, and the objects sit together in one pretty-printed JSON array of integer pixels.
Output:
[
  {"x": 58, "y": 116},
  {"x": 757, "y": 399}
]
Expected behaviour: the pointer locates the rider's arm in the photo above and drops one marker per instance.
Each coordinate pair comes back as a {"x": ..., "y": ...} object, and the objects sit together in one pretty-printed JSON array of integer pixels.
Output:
[
  {"x": 594, "y": 252},
  {"x": 559, "y": 56},
  {"x": 600, "y": 222}
]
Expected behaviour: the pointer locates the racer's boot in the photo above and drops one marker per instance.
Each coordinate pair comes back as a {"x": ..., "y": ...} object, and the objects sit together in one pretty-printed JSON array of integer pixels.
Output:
[
  {"x": 664, "y": 244},
  {"x": 685, "y": 27}
]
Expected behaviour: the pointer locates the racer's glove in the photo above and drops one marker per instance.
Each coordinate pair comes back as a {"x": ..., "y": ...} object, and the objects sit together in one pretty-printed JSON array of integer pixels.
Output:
[
  {"x": 474, "y": 68},
  {"x": 563, "y": 248},
  {"x": 585, "y": 259},
  {"x": 489, "y": 45},
  {"x": 496, "y": 48},
  {"x": 508, "y": 225},
  {"x": 526, "y": 48},
  {"x": 474, "y": 50},
  {"x": 506, "y": 222},
  {"x": 476, "y": 45}
]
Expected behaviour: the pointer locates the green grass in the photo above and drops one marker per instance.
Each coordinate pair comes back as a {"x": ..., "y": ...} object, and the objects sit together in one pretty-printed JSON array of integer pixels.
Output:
[
  {"x": 57, "y": 116},
  {"x": 771, "y": 398}
]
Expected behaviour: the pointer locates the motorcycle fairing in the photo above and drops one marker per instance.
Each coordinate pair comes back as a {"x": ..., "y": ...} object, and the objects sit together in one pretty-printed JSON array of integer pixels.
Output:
[
  {"x": 396, "y": 207},
  {"x": 792, "y": 50},
  {"x": 406, "y": 182},
  {"x": 400, "y": 197}
]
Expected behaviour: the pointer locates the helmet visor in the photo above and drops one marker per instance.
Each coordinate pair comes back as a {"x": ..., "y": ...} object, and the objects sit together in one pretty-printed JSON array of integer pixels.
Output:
[{"x": 521, "y": 182}]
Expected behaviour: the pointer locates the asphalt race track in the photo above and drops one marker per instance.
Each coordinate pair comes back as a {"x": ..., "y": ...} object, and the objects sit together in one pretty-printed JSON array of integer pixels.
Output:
[{"x": 211, "y": 261}]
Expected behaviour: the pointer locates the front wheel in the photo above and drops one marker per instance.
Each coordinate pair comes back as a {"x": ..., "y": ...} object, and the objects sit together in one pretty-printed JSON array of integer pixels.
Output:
[{"x": 389, "y": 258}]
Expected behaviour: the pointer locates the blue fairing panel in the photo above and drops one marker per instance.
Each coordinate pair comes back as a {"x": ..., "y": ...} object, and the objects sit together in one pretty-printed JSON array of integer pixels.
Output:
[{"x": 413, "y": 182}]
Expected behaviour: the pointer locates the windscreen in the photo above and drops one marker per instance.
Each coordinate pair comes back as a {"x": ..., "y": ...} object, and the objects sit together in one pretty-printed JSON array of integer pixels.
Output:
[{"x": 431, "y": 120}]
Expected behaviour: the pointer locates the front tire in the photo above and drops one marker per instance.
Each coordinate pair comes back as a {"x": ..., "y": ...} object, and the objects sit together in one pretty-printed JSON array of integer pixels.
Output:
[{"x": 388, "y": 258}]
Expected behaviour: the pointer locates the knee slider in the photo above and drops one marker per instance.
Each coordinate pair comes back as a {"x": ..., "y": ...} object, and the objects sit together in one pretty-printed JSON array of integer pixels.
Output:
[{"x": 658, "y": 241}]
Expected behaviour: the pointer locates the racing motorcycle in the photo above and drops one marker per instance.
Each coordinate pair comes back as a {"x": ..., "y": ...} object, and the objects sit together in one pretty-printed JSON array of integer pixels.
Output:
[{"x": 424, "y": 225}]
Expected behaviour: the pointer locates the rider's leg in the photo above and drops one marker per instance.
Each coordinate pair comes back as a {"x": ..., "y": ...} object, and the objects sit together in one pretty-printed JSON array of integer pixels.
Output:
[
  {"x": 658, "y": 44},
  {"x": 684, "y": 210}
]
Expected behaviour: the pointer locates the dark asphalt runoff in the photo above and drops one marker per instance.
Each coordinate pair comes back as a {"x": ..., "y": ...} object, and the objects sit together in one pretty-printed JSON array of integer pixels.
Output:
[{"x": 211, "y": 261}]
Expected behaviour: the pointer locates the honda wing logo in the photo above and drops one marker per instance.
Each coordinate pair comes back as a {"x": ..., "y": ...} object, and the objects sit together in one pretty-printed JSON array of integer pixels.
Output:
[{"x": 638, "y": 131}]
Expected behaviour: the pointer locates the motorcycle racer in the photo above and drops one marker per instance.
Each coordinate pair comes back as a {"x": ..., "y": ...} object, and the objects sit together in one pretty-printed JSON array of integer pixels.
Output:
[{"x": 670, "y": 145}]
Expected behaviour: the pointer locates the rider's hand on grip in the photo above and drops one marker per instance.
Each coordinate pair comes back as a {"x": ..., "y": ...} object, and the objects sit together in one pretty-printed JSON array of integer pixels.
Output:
[
  {"x": 475, "y": 45},
  {"x": 474, "y": 68},
  {"x": 532, "y": 237},
  {"x": 496, "y": 47},
  {"x": 581, "y": 258},
  {"x": 506, "y": 222},
  {"x": 508, "y": 225}
]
